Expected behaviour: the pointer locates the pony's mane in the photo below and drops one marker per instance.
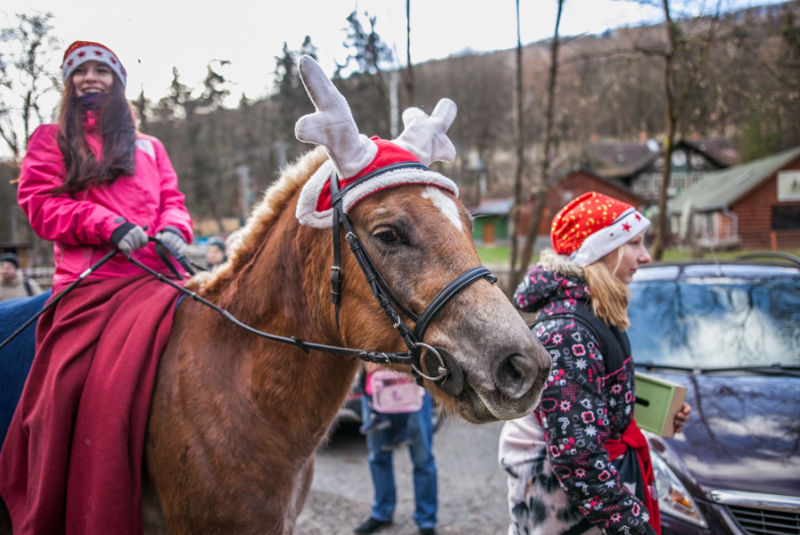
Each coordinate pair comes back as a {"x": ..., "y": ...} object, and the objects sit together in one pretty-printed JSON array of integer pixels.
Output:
[{"x": 211, "y": 284}]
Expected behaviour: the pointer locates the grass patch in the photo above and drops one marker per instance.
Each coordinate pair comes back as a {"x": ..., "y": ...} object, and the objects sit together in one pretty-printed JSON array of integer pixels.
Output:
[{"x": 501, "y": 254}]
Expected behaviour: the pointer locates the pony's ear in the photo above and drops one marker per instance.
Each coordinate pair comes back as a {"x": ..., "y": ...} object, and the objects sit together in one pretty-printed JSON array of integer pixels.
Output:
[
  {"x": 332, "y": 126},
  {"x": 426, "y": 137}
]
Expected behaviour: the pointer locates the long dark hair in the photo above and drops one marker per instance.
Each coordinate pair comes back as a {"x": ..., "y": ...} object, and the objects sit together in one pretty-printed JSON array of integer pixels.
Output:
[{"x": 117, "y": 130}]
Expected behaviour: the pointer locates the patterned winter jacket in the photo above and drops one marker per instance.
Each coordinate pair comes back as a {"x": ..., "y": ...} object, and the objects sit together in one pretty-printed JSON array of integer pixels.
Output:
[{"x": 569, "y": 484}]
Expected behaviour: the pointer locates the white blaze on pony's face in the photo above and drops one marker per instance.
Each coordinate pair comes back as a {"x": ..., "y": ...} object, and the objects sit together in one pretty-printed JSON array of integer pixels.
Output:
[{"x": 445, "y": 204}]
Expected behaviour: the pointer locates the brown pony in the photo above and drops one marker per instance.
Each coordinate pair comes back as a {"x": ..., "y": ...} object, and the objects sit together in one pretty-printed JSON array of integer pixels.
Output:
[{"x": 235, "y": 418}]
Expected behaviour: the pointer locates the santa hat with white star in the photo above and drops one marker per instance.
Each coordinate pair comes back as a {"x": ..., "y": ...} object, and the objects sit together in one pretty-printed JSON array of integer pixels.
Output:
[
  {"x": 83, "y": 51},
  {"x": 593, "y": 225}
]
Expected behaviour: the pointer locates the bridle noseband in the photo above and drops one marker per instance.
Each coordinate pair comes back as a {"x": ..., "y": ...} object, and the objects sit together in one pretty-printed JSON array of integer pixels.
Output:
[{"x": 437, "y": 358}]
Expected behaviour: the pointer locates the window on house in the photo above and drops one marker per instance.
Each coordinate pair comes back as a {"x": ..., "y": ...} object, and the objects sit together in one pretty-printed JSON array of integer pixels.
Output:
[
  {"x": 785, "y": 217},
  {"x": 652, "y": 182}
]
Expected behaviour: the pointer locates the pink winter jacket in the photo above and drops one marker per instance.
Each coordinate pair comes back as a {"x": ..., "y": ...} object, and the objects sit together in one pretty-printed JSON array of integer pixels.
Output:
[{"x": 80, "y": 224}]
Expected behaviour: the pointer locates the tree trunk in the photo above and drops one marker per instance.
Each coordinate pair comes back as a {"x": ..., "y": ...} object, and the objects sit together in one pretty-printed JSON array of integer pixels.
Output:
[
  {"x": 670, "y": 117},
  {"x": 543, "y": 186},
  {"x": 515, "y": 209},
  {"x": 409, "y": 69}
]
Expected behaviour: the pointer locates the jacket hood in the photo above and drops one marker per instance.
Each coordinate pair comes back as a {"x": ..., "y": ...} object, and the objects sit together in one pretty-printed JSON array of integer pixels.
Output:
[{"x": 554, "y": 278}]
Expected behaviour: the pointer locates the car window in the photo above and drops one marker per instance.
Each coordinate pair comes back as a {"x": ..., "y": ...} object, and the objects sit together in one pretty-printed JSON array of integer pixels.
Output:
[{"x": 716, "y": 322}]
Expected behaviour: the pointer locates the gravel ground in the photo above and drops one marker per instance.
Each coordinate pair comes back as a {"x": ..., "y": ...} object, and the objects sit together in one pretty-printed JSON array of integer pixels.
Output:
[{"x": 472, "y": 487}]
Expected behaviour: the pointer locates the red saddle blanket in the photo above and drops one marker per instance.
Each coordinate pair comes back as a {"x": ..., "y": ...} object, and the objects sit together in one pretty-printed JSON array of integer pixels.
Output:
[{"x": 72, "y": 459}]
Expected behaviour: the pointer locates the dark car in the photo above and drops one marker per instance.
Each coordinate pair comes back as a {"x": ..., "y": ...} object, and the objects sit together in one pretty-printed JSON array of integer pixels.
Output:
[{"x": 730, "y": 333}]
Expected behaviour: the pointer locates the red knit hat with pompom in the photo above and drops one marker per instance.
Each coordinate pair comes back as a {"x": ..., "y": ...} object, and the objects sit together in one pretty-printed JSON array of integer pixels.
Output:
[{"x": 592, "y": 225}]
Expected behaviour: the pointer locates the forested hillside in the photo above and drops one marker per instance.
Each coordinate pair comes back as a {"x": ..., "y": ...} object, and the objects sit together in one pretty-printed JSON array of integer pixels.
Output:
[{"x": 610, "y": 86}]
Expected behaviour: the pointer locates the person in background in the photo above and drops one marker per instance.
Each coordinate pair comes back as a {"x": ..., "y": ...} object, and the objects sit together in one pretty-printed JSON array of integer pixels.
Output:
[
  {"x": 378, "y": 421},
  {"x": 12, "y": 282},
  {"x": 579, "y": 464},
  {"x": 381, "y": 445},
  {"x": 94, "y": 186},
  {"x": 215, "y": 253}
]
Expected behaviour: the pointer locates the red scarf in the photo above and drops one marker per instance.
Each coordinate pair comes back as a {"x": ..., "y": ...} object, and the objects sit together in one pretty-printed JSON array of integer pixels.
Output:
[
  {"x": 632, "y": 437},
  {"x": 72, "y": 460}
]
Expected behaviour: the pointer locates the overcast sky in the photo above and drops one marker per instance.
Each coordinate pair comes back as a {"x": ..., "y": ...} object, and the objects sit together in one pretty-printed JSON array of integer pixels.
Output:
[{"x": 153, "y": 36}]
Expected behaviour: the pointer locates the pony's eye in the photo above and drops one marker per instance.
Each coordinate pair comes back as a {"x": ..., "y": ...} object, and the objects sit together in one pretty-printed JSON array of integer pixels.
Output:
[{"x": 388, "y": 236}]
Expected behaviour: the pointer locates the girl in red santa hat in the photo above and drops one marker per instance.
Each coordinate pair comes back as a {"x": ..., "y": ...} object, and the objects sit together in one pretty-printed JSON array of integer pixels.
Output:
[
  {"x": 72, "y": 459},
  {"x": 579, "y": 463}
]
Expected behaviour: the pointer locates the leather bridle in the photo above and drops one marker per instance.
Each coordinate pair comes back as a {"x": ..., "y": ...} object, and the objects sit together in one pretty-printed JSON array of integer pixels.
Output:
[
  {"x": 449, "y": 376},
  {"x": 437, "y": 358}
]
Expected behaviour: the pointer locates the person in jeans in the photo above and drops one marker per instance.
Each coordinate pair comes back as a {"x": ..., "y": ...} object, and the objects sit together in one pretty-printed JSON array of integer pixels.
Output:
[
  {"x": 381, "y": 465},
  {"x": 374, "y": 421}
]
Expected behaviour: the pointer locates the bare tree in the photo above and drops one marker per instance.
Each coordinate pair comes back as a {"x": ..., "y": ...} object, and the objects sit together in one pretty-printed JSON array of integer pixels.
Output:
[
  {"x": 520, "y": 169},
  {"x": 683, "y": 57},
  {"x": 409, "y": 69},
  {"x": 542, "y": 185},
  {"x": 24, "y": 78}
]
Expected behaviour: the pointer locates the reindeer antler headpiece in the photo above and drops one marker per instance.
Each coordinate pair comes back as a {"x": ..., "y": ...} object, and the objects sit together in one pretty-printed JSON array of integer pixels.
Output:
[{"x": 353, "y": 155}]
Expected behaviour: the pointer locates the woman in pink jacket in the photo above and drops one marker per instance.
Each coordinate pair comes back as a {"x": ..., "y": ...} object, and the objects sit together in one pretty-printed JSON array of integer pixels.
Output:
[{"x": 72, "y": 459}]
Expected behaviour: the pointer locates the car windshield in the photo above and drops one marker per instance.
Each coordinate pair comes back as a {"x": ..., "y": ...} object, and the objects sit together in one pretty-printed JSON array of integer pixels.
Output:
[{"x": 716, "y": 322}]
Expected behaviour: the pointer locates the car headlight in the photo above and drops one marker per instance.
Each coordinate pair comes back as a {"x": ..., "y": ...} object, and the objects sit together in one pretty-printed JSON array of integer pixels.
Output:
[{"x": 673, "y": 498}]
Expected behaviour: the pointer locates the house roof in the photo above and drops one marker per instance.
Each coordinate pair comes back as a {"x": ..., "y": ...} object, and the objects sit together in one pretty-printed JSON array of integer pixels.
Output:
[
  {"x": 720, "y": 189},
  {"x": 620, "y": 159},
  {"x": 493, "y": 207},
  {"x": 624, "y": 159},
  {"x": 616, "y": 184},
  {"x": 718, "y": 150}
]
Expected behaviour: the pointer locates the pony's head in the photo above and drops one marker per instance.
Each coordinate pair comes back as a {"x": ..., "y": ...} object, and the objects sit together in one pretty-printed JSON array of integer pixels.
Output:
[{"x": 417, "y": 236}]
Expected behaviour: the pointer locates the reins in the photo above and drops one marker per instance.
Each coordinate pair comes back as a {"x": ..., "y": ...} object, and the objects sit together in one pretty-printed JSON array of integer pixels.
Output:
[
  {"x": 368, "y": 356},
  {"x": 449, "y": 376}
]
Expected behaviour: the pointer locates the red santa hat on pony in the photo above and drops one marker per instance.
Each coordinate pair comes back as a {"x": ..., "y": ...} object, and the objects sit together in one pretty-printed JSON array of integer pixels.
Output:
[
  {"x": 82, "y": 51},
  {"x": 593, "y": 225},
  {"x": 353, "y": 155}
]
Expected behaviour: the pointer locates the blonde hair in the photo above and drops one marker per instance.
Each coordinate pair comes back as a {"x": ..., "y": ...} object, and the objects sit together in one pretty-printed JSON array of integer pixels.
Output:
[{"x": 608, "y": 295}]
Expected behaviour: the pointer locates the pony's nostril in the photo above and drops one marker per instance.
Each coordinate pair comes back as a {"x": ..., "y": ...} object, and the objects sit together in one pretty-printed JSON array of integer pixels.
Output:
[
  {"x": 517, "y": 374},
  {"x": 512, "y": 370}
]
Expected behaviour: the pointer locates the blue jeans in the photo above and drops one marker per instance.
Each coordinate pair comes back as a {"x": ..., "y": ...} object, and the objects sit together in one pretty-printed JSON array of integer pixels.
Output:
[{"x": 381, "y": 464}]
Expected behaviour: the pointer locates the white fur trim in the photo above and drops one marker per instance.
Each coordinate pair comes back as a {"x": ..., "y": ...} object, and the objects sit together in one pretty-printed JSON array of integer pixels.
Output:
[
  {"x": 602, "y": 242},
  {"x": 553, "y": 261},
  {"x": 308, "y": 215},
  {"x": 306, "y": 212}
]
